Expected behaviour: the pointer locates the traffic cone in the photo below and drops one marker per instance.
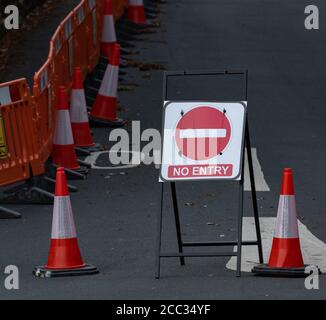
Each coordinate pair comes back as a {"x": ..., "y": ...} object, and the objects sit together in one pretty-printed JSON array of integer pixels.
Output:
[
  {"x": 79, "y": 116},
  {"x": 104, "y": 110},
  {"x": 285, "y": 257},
  {"x": 109, "y": 38},
  {"x": 64, "y": 255},
  {"x": 63, "y": 154},
  {"x": 136, "y": 12}
]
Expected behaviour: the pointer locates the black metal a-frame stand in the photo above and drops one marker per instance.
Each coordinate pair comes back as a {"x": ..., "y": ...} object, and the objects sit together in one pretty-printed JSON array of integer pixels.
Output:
[{"x": 181, "y": 254}]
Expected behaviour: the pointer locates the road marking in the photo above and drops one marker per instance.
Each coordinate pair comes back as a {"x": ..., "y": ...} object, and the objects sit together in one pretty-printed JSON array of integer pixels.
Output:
[
  {"x": 202, "y": 133},
  {"x": 261, "y": 184},
  {"x": 313, "y": 249},
  {"x": 133, "y": 163}
]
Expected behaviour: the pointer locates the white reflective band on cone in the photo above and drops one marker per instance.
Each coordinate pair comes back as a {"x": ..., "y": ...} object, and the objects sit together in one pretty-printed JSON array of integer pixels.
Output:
[
  {"x": 5, "y": 97},
  {"x": 136, "y": 2},
  {"x": 109, "y": 34},
  {"x": 63, "y": 132},
  {"x": 78, "y": 110},
  {"x": 286, "y": 222},
  {"x": 63, "y": 225},
  {"x": 109, "y": 85}
]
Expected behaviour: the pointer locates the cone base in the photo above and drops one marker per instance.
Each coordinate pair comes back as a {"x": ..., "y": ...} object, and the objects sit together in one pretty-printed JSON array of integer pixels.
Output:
[
  {"x": 82, "y": 170},
  {"x": 140, "y": 26},
  {"x": 43, "y": 272},
  {"x": 94, "y": 148},
  {"x": 107, "y": 123},
  {"x": 266, "y": 270},
  {"x": 9, "y": 214}
]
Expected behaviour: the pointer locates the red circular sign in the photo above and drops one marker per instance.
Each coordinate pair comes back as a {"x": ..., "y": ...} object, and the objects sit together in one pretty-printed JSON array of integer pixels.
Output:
[{"x": 203, "y": 133}]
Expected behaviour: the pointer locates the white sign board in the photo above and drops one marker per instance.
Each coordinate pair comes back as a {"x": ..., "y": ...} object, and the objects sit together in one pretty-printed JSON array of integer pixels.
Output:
[{"x": 202, "y": 140}]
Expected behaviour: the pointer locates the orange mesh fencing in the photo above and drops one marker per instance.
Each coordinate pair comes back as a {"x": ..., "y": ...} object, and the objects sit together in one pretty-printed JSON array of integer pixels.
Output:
[
  {"x": 75, "y": 43},
  {"x": 27, "y": 122},
  {"x": 20, "y": 153}
]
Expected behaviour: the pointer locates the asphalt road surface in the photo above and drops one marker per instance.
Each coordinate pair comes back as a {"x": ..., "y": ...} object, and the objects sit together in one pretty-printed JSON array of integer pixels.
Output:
[{"x": 116, "y": 210}]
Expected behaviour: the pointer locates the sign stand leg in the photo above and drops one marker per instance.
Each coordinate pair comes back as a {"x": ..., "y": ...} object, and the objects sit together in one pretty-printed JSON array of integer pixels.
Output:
[
  {"x": 253, "y": 194},
  {"x": 240, "y": 222},
  {"x": 177, "y": 221},
  {"x": 159, "y": 227},
  {"x": 159, "y": 236}
]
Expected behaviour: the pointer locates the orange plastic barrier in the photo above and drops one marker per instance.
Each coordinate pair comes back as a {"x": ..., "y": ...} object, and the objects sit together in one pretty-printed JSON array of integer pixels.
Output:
[
  {"x": 27, "y": 122},
  {"x": 76, "y": 43},
  {"x": 19, "y": 136}
]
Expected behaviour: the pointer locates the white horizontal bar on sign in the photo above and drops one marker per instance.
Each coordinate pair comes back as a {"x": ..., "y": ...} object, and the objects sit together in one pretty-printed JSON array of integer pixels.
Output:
[{"x": 202, "y": 133}]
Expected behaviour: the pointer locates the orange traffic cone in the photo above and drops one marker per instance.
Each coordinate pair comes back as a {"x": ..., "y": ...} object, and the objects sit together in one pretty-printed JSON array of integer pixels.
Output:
[
  {"x": 109, "y": 37},
  {"x": 104, "y": 110},
  {"x": 78, "y": 114},
  {"x": 136, "y": 12},
  {"x": 64, "y": 256},
  {"x": 63, "y": 153},
  {"x": 285, "y": 257}
]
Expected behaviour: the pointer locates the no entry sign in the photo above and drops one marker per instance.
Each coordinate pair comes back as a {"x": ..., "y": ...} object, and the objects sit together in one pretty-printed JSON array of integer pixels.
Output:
[{"x": 202, "y": 140}]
